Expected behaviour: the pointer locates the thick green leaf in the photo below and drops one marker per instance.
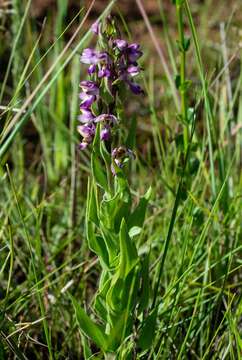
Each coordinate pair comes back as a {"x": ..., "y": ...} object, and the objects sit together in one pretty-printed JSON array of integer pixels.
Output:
[
  {"x": 113, "y": 210},
  {"x": 95, "y": 242},
  {"x": 121, "y": 287},
  {"x": 98, "y": 172},
  {"x": 97, "y": 167},
  {"x": 138, "y": 216},
  {"x": 111, "y": 244},
  {"x": 128, "y": 252},
  {"x": 89, "y": 328},
  {"x": 92, "y": 206},
  {"x": 100, "y": 298},
  {"x": 148, "y": 330}
]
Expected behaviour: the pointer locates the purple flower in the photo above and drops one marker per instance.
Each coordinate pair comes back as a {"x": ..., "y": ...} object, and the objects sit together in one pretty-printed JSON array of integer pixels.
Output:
[
  {"x": 120, "y": 44},
  {"x": 105, "y": 134},
  {"x": 103, "y": 56},
  {"x": 87, "y": 131},
  {"x": 106, "y": 117},
  {"x": 134, "y": 52},
  {"x": 89, "y": 87},
  {"x": 91, "y": 56},
  {"x": 96, "y": 27},
  {"x": 135, "y": 88},
  {"x": 133, "y": 70},
  {"x": 83, "y": 145},
  {"x": 86, "y": 116},
  {"x": 104, "y": 72},
  {"x": 118, "y": 65},
  {"x": 91, "y": 70},
  {"x": 87, "y": 100}
]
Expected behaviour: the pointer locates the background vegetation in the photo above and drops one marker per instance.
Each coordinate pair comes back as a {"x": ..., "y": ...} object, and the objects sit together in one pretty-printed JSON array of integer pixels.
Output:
[{"x": 43, "y": 177}]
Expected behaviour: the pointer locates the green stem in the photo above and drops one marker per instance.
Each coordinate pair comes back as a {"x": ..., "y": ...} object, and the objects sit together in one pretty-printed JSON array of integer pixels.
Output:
[{"x": 182, "y": 88}]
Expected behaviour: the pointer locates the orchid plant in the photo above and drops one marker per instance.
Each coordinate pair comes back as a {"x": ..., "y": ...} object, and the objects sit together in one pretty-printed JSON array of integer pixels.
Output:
[{"x": 113, "y": 224}]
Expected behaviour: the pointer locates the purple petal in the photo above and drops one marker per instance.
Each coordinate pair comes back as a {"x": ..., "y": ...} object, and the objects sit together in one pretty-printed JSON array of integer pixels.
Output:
[
  {"x": 106, "y": 117},
  {"x": 91, "y": 56},
  {"x": 91, "y": 70},
  {"x": 83, "y": 145},
  {"x": 105, "y": 134},
  {"x": 86, "y": 116},
  {"x": 133, "y": 70},
  {"x": 113, "y": 170},
  {"x": 118, "y": 163},
  {"x": 134, "y": 52},
  {"x": 104, "y": 72},
  {"x": 96, "y": 28},
  {"x": 120, "y": 44},
  {"x": 134, "y": 47},
  {"x": 89, "y": 87},
  {"x": 103, "y": 56},
  {"x": 87, "y": 130},
  {"x": 87, "y": 100},
  {"x": 135, "y": 88},
  {"x": 114, "y": 152}
]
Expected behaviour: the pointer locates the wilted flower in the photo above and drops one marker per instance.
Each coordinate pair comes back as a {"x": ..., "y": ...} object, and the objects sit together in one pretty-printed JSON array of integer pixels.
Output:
[{"x": 120, "y": 156}]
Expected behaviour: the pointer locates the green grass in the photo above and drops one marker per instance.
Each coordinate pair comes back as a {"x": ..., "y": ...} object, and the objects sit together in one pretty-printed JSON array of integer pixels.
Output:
[{"x": 192, "y": 230}]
